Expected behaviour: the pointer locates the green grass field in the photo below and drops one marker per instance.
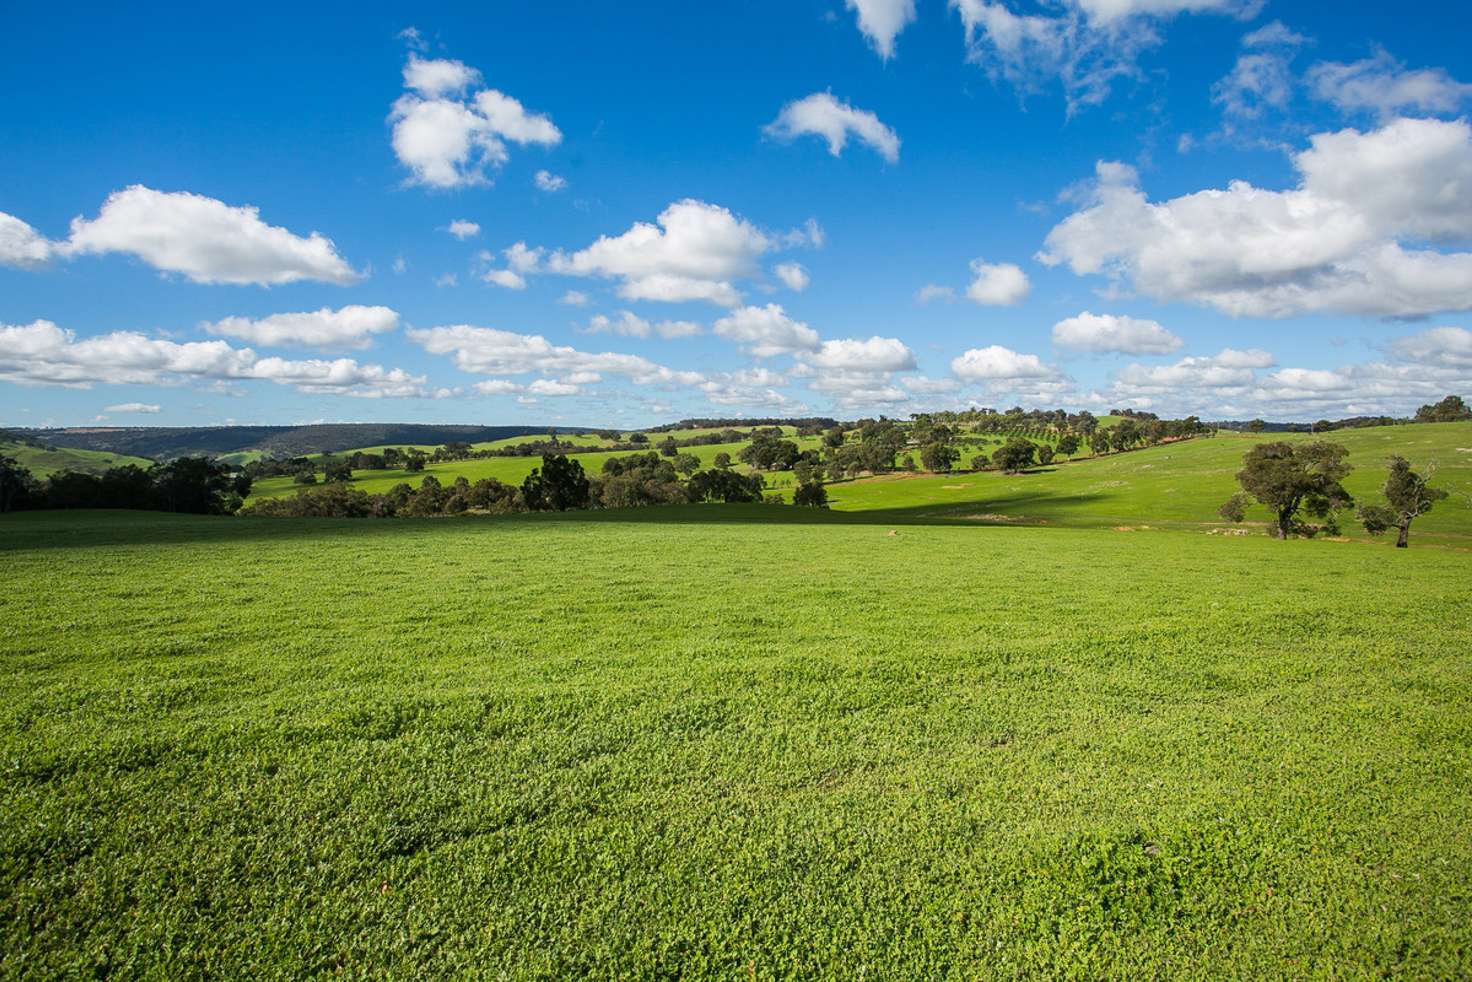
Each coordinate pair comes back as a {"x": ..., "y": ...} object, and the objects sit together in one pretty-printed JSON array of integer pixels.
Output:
[
  {"x": 43, "y": 463},
  {"x": 706, "y": 743}
]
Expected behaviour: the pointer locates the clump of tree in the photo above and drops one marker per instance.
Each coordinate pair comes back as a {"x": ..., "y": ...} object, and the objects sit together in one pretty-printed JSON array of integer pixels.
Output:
[
  {"x": 810, "y": 495},
  {"x": 768, "y": 451},
  {"x": 1452, "y": 409},
  {"x": 1408, "y": 496},
  {"x": 1292, "y": 480},
  {"x": 558, "y": 485},
  {"x": 1015, "y": 456},
  {"x": 192, "y": 485}
]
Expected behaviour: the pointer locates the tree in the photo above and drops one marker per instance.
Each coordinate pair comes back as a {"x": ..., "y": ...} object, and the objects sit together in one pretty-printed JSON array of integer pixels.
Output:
[
  {"x": 1288, "y": 478},
  {"x": 1256, "y": 426},
  {"x": 722, "y": 460},
  {"x": 980, "y": 462},
  {"x": 305, "y": 477},
  {"x": 16, "y": 484},
  {"x": 196, "y": 485},
  {"x": 810, "y": 495},
  {"x": 768, "y": 451},
  {"x": 1068, "y": 445},
  {"x": 1045, "y": 454},
  {"x": 687, "y": 463},
  {"x": 415, "y": 463},
  {"x": 336, "y": 470},
  {"x": 1015, "y": 456},
  {"x": 559, "y": 484},
  {"x": 1409, "y": 498},
  {"x": 1449, "y": 410},
  {"x": 939, "y": 457},
  {"x": 669, "y": 447}
]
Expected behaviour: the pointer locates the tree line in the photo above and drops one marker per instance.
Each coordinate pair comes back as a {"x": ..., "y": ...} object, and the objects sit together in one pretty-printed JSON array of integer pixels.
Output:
[{"x": 194, "y": 485}]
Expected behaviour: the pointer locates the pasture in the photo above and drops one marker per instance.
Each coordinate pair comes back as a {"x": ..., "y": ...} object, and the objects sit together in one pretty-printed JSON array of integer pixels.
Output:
[{"x": 702, "y": 742}]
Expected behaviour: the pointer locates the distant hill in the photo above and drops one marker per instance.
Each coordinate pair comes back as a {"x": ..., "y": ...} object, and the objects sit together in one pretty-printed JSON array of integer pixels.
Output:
[
  {"x": 164, "y": 442},
  {"x": 44, "y": 460}
]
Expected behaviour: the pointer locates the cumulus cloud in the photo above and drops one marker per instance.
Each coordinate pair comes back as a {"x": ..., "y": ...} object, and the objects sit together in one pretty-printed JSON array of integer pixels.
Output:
[
  {"x": 353, "y": 326},
  {"x": 995, "y": 363},
  {"x": 141, "y": 408},
  {"x": 41, "y": 353},
  {"x": 1108, "y": 333},
  {"x": 753, "y": 388},
  {"x": 205, "y": 240},
  {"x": 1086, "y": 46},
  {"x": 766, "y": 331},
  {"x": 1446, "y": 346},
  {"x": 1348, "y": 239},
  {"x": 881, "y": 21},
  {"x": 508, "y": 278},
  {"x": 997, "y": 284},
  {"x": 447, "y": 135},
  {"x": 629, "y": 325},
  {"x": 793, "y": 276},
  {"x": 463, "y": 229},
  {"x": 1383, "y": 85},
  {"x": 820, "y": 114},
  {"x": 21, "y": 245},
  {"x": 1262, "y": 78},
  {"x": 694, "y": 252},
  {"x": 488, "y": 351},
  {"x": 874, "y": 355},
  {"x": 549, "y": 182},
  {"x": 574, "y": 298}
]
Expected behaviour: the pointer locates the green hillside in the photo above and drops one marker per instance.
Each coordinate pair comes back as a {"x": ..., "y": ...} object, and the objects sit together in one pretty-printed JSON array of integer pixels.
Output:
[
  {"x": 42, "y": 462},
  {"x": 1178, "y": 485},
  {"x": 655, "y": 744}
]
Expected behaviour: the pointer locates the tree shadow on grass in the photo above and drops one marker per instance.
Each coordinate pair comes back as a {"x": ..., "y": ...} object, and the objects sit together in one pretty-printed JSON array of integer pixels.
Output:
[{"x": 43, "y": 530}]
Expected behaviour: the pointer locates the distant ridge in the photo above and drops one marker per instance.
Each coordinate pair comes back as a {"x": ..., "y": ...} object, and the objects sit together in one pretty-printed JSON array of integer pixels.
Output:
[{"x": 178, "y": 441}]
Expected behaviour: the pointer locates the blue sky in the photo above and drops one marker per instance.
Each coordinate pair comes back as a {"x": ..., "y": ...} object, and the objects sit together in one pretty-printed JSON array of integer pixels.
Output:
[{"x": 1031, "y": 204}]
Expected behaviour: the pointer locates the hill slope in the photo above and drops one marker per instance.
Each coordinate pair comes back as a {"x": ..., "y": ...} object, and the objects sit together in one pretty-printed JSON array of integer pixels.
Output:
[{"x": 42, "y": 462}]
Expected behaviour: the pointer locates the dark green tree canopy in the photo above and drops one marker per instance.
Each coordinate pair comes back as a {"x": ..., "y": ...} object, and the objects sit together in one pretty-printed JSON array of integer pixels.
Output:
[{"x": 1289, "y": 478}]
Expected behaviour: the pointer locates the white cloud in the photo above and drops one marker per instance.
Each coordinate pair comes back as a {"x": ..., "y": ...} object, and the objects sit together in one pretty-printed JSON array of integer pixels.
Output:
[
  {"x": 793, "y": 276},
  {"x": 141, "y": 408},
  {"x": 1273, "y": 34},
  {"x": 882, "y": 21},
  {"x": 1108, "y": 333},
  {"x": 488, "y": 351},
  {"x": 1383, "y": 85},
  {"x": 766, "y": 331},
  {"x": 1227, "y": 373},
  {"x": 463, "y": 229},
  {"x": 205, "y": 240},
  {"x": 574, "y": 298},
  {"x": 921, "y": 385},
  {"x": 1442, "y": 346},
  {"x": 21, "y": 245},
  {"x": 447, "y": 279},
  {"x": 1347, "y": 239},
  {"x": 43, "y": 354},
  {"x": 629, "y": 325},
  {"x": 1086, "y": 46},
  {"x": 352, "y": 326},
  {"x": 549, "y": 182},
  {"x": 508, "y": 278},
  {"x": 931, "y": 292},
  {"x": 694, "y": 253},
  {"x": 400, "y": 266},
  {"x": 997, "y": 284},
  {"x": 996, "y": 363},
  {"x": 752, "y": 388},
  {"x": 822, "y": 115},
  {"x": 854, "y": 355},
  {"x": 448, "y": 139},
  {"x": 432, "y": 77},
  {"x": 523, "y": 259}
]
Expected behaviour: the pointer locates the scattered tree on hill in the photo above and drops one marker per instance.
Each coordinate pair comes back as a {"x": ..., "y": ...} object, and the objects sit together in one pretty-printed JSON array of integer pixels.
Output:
[
  {"x": 1045, "y": 454},
  {"x": 1409, "y": 496},
  {"x": 769, "y": 452},
  {"x": 722, "y": 460},
  {"x": 336, "y": 470},
  {"x": 1068, "y": 445},
  {"x": 1449, "y": 410},
  {"x": 687, "y": 463},
  {"x": 305, "y": 477},
  {"x": 559, "y": 484},
  {"x": 810, "y": 495},
  {"x": 980, "y": 462},
  {"x": 1015, "y": 456},
  {"x": 938, "y": 457},
  {"x": 725, "y": 485},
  {"x": 415, "y": 463},
  {"x": 1256, "y": 426},
  {"x": 1290, "y": 478}
]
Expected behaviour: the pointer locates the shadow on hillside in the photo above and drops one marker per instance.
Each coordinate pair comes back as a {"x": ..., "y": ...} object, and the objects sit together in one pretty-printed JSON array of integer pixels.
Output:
[{"x": 69, "y": 529}]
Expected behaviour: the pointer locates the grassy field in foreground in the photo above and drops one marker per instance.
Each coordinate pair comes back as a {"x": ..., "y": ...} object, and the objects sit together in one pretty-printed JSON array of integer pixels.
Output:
[
  {"x": 657, "y": 744},
  {"x": 1178, "y": 485},
  {"x": 42, "y": 463}
]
